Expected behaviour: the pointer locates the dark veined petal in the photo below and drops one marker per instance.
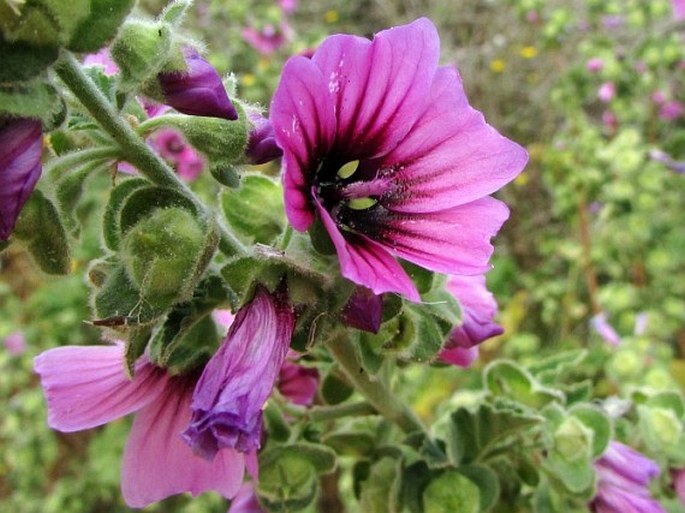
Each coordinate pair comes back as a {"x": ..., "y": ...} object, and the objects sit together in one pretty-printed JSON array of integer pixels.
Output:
[
  {"x": 379, "y": 87},
  {"x": 451, "y": 156},
  {"x": 87, "y": 386},
  {"x": 158, "y": 463},
  {"x": 367, "y": 263},
  {"x": 21, "y": 147},
  {"x": 304, "y": 124}
]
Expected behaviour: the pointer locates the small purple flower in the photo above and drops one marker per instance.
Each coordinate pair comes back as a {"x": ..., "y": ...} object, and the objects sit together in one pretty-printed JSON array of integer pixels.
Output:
[
  {"x": 606, "y": 92},
  {"x": 663, "y": 157},
  {"x": 87, "y": 387},
  {"x": 261, "y": 144},
  {"x": 678, "y": 9},
  {"x": 235, "y": 384},
  {"x": 381, "y": 144},
  {"x": 594, "y": 65},
  {"x": 172, "y": 146},
  {"x": 478, "y": 312},
  {"x": 197, "y": 90},
  {"x": 297, "y": 382},
  {"x": 605, "y": 330},
  {"x": 623, "y": 479},
  {"x": 288, "y": 6},
  {"x": 364, "y": 310},
  {"x": 15, "y": 343},
  {"x": 269, "y": 38},
  {"x": 671, "y": 110},
  {"x": 21, "y": 148}
]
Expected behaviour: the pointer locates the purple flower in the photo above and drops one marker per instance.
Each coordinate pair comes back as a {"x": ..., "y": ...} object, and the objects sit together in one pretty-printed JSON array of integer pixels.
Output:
[
  {"x": 663, "y": 157},
  {"x": 104, "y": 59},
  {"x": 478, "y": 312},
  {"x": 15, "y": 343},
  {"x": 235, "y": 384},
  {"x": 678, "y": 9},
  {"x": 172, "y": 146},
  {"x": 381, "y": 144},
  {"x": 87, "y": 387},
  {"x": 261, "y": 145},
  {"x": 269, "y": 38},
  {"x": 671, "y": 110},
  {"x": 594, "y": 65},
  {"x": 246, "y": 501},
  {"x": 21, "y": 148},
  {"x": 297, "y": 382},
  {"x": 601, "y": 325},
  {"x": 678, "y": 477},
  {"x": 197, "y": 90},
  {"x": 623, "y": 479},
  {"x": 606, "y": 92},
  {"x": 288, "y": 6},
  {"x": 364, "y": 310}
]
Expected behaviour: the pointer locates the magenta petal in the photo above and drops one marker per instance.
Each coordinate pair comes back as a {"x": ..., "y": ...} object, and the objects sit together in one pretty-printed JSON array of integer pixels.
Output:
[
  {"x": 461, "y": 356},
  {"x": 451, "y": 156},
  {"x": 304, "y": 124},
  {"x": 364, "y": 310},
  {"x": 453, "y": 241},
  {"x": 379, "y": 87},
  {"x": 87, "y": 386},
  {"x": 367, "y": 263},
  {"x": 246, "y": 501},
  {"x": 157, "y": 462}
]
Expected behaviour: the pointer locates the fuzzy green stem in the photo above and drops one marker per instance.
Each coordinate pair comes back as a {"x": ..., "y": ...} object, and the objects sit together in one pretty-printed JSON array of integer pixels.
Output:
[
  {"x": 374, "y": 390},
  {"x": 132, "y": 145}
]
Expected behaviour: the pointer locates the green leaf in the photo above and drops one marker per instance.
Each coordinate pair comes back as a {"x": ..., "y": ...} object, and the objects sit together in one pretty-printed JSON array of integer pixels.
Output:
[
  {"x": 334, "y": 389},
  {"x": 451, "y": 492},
  {"x": 175, "y": 11},
  {"x": 550, "y": 368},
  {"x": 34, "y": 99},
  {"x": 111, "y": 230},
  {"x": 68, "y": 192},
  {"x": 486, "y": 480},
  {"x": 669, "y": 400},
  {"x": 141, "y": 202},
  {"x": 422, "y": 277},
  {"x": 40, "y": 228},
  {"x": 506, "y": 378},
  {"x": 100, "y": 26},
  {"x": 23, "y": 61},
  {"x": 473, "y": 434},
  {"x": 255, "y": 211},
  {"x": 596, "y": 420},
  {"x": 380, "y": 491},
  {"x": 359, "y": 445}
]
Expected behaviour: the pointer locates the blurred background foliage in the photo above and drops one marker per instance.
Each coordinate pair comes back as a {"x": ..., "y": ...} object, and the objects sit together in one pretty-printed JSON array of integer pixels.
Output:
[{"x": 593, "y": 88}]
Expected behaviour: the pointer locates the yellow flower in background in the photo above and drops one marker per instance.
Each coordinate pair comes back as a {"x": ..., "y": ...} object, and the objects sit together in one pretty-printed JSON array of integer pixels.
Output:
[
  {"x": 529, "y": 52},
  {"x": 498, "y": 65},
  {"x": 331, "y": 16},
  {"x": 263, "y": 64},
  {"x": 248, "y": 79}
]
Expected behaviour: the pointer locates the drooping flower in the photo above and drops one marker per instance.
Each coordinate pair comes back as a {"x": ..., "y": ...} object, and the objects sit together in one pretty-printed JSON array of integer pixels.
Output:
[
  {"x": 601, "y": 325},
  {"x": 172, "y": 146},
  {"x": 87, "y": 387},
  {"x": 246, "y": 501},
  {"x": 478, "y": 312},
  {"x": 261, "y": 143},
  {"x": 21, "y": 148},
  {"x": 197, "y": 90},
  {"x": 381, "y": 144},
  {"x": 297, "y": 382},
  {"x": 235, "y": 384},
  {"x": 623, "y": 479}
]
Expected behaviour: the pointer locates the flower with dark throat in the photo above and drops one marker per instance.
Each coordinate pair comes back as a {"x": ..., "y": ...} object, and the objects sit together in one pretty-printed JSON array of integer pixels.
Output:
[
  {"x": 87, "y": 387},
  {"x": 478, "y": 307},
  {"x": 197, "y": 90},
  {"x": 21, "y": 148},
  {"x": 382, "y": 146},
  {"x": 235, "y": 384}
]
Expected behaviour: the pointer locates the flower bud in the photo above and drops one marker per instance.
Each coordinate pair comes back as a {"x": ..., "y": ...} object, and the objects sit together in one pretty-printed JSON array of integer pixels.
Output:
[
  {"x": 196, "y": 90},
  {"x": 161, "y": 252},
  {"x": 261, "y": 145},
  {"x": 573, "y": 440},
  {"x": 662, "y": 427},
  {"x": 21, "y": 147}
]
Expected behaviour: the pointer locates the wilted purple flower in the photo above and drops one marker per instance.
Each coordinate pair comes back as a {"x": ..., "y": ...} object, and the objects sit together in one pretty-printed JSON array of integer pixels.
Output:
[
  {"x": 678, "y": 9},
  {"x": 605, "y": 330},
  {"x": 197, "y": 90},
  {"x": 671, "y": 110},
  {"x": 235, "y": 384},
  {"x": 269, "y": 38},
  {"x": 15, "y": 343},
  {"x": 261, "y": 144},
  {"x": 21, "y": 148},
  {"x": 297, "y": 382},
  {"x": 246, "y": 501},
  {"x": 87, "y": 387},
  {"x": 172, "y": 146},
  {"x": 594, "y": 65},
  {"x": 364, "y": 310},
  {"x": 478, "y": 308},
  {"x": 623, "y": 479},
  {"x": 606, "y": 92},
  {"x": 383, "y": 147}
]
